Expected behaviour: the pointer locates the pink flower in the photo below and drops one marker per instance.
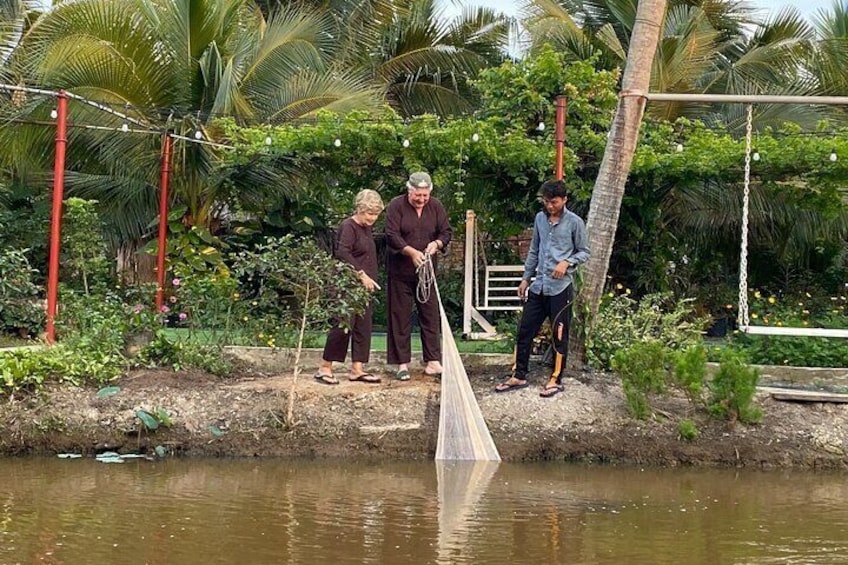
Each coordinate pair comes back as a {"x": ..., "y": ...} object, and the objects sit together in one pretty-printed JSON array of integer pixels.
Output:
[
  {"x": 138, "y": 308},
  {"x": 173, "y": 299},
  {"x": 164, "y": 309},
  {"x": 176, "y": 282},
  {"x": 183, "y": 316}
]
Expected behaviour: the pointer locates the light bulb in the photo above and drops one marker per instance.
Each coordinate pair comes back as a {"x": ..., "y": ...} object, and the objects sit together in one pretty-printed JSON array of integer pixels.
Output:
[
  {"x": 268, "y": 140},
  {"x": 125, "y": 128},
  {"x": 337, "y": 142},
  {"x": 541, "y": 126},
  {"x": 756, "y": 156},
  {"x": 405, "y": 143},
  {"x": 198, "y": 134},
  {"x": 475, "y": 136},
  {"x": 833, "y": 156},
  {"x": 54, "y": 114},
  {"x": 679, "y": 148}
]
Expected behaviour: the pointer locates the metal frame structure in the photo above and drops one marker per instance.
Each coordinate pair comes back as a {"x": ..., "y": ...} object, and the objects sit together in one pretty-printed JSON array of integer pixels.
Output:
[{"x": 749, "y": 100}]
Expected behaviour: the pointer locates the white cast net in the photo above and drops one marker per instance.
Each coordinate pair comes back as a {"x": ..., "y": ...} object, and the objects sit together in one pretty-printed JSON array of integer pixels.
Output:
[{"x": 463, "y": 434}]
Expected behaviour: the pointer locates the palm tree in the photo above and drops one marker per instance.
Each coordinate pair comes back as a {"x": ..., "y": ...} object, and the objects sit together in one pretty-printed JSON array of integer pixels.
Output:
[
  {"x": 706, "y": 46},
  {"x": 175, "y": 65},
  {"x": 618, "y": 156},
  {"x": 421, "y": 60}
]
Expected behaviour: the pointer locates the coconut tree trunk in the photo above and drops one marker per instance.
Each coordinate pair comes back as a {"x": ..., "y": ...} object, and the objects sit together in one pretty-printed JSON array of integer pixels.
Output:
[{"x": 615, "y": 166}]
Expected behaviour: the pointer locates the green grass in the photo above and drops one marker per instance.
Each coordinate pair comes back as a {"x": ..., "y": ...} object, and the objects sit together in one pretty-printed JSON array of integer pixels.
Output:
[{"x": 317, "y": 339}]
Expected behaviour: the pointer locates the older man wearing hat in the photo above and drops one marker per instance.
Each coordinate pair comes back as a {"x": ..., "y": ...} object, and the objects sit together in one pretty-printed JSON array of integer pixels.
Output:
[{"x": 416, "y": 226}]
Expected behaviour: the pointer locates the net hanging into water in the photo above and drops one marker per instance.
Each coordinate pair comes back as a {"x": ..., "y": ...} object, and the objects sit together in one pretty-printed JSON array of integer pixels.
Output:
[{"x": 463, "y": 434}]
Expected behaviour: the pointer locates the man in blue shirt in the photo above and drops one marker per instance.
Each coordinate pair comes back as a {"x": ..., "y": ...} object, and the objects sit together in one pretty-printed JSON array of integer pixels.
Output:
[{"x": 559, "y": 245}]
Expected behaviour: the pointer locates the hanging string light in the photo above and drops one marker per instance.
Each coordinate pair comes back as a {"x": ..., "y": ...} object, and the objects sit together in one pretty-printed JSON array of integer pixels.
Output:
[
  {"x": 756, "y": 155},
  {"x": 541, "y": 126},
  {"x": 54, "y": 114},
  {"x": 475, "y": 137},
  {"x": 679, "y": 148},
  {"x": 405, "y": 143},
  {"x": 833, "y": 156},
  {"x": 268, "y": 140}
]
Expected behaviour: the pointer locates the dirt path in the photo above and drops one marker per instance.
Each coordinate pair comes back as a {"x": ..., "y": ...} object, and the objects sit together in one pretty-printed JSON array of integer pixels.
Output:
[{"x": 244, "y": 416}]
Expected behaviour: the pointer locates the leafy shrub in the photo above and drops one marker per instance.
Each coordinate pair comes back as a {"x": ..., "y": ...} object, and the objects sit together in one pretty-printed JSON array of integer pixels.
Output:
[
  {"x": 732, "y": 390},
  {"x": 85, "y": 265},
  {"x": 20, "y": 311},
  {"x": 622, "y": 321},
  {"x": 642, "y": 367},
  {"x": 687, "y": 430},
  {"x": 690, "y": 372}
]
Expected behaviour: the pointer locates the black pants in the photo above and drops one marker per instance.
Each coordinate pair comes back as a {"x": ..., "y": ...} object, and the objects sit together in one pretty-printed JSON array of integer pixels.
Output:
[
  {"x": 557, "y": 309},
  {"x": 358, "y": 337},
  {"x": 401, "y": 299}
]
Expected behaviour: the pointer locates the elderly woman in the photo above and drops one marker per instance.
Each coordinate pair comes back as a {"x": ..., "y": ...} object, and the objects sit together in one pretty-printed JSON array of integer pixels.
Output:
[
  {"x": 356, "y": 247},
  {"x": 416, "y": 226}
]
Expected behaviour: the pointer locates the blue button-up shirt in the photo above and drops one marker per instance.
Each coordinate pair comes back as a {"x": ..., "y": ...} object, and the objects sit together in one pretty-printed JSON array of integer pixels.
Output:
[{"x": 565, "y": 240}]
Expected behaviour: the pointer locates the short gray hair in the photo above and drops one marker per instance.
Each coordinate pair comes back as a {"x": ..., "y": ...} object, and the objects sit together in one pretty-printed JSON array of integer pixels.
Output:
[
  {"x": 419, "y": 180},
  {"x": 368, "y": 201}
]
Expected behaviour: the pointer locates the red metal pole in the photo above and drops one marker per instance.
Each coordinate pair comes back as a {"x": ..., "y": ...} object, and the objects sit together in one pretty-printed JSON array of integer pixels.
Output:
[
  {"x": 561, "y": 104},
  {"x": 56, "y": 215},
  {"x": 163, "y": 220}
]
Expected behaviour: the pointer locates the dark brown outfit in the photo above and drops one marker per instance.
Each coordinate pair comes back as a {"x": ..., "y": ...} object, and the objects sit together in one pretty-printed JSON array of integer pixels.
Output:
[
  {"x": 404, "y": 227},
  {"x": 355, "y": 246}
]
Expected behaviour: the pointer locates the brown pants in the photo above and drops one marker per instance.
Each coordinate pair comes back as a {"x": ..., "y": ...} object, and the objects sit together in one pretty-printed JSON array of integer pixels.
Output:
[
  {"x": 358, "y": 337},
  {"x": 401, "y": 298}
]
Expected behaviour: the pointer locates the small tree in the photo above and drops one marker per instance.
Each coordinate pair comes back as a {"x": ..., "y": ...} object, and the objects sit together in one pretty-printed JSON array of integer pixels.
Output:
[{"x": 313, "y": 289}]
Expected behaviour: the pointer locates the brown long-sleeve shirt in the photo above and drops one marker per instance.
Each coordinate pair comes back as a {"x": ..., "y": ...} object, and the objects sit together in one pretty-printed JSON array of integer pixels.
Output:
[
  {"x": 404, "y": 227},
  {"x": 356, "y": 246}
]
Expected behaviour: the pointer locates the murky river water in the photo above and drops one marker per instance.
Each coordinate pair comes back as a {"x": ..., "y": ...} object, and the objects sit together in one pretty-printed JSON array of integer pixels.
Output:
[{"x": 270, "y": 511}]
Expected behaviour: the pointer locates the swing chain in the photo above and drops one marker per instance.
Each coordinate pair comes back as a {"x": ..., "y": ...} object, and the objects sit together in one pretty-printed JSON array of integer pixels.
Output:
[{"x": 743, "y": 319}]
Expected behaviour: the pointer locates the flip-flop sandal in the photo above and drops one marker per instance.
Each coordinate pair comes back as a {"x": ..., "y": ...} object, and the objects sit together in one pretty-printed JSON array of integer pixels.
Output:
[
  {"x": 364, "y": 378},
  {"x": 550, "y": 391},
  {"x": 506, "y": 386},
  {"x": 402, "y": 375},
  {"x": 325, "y": 379}
]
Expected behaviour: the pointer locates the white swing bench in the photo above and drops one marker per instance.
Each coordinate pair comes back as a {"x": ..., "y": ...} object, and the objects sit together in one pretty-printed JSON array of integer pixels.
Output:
[{"x": 744, "y": 323}]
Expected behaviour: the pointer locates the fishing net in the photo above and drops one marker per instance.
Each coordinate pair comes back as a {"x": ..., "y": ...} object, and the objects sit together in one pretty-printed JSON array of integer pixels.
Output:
[{"x": 463, "y": 434}]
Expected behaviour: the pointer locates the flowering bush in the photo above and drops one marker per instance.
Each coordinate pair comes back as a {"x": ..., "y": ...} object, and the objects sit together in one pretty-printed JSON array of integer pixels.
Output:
[
  {"x": 623, "y": 321},
  {"x": 799, "y": 311}
]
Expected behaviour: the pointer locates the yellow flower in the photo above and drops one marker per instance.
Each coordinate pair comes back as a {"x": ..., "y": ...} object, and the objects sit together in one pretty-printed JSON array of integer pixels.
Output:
[
  {"x": 254, "y": 303},
  {"x": 245, "y": 318},
  {"x": 260, "y": 336},
  {"x": 627, "y": 291},
  {"x": 779, "y": 324},
  {"x": 757, "y": 294},
  {"x": 610, "y": 295},
  {"x": 808, "y": 295},
  {"x": 270, "y": 343},
  {"x": 236, "y": 296},
  {"x": 772, "y": 300},
  {"x": 800, "y": 304},
  {"x": 619, "y": 286},
  {"x": 805, "y": 311},
  {"x": 754, "y": 316}
]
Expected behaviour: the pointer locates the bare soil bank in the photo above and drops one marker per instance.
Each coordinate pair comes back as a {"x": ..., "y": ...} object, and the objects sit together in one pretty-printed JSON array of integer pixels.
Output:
[{"x": 243, "y": 415}]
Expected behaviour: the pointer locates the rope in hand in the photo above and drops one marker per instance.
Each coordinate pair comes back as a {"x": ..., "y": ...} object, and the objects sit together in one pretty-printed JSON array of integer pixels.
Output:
[{"x": 426, "y": 278}]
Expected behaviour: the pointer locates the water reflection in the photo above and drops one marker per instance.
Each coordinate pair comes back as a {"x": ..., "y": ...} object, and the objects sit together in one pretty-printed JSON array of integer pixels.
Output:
[
  {"x": 245, "y": 511},
  {"x": 461, "y": 486}
]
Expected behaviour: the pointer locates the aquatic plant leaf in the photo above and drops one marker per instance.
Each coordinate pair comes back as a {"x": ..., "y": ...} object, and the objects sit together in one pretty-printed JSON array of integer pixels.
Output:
[
  {"x": 108, "y": 391},
  {"x": 215, "y": 430},
  {"x": 160, "y": 451},
  {"x": 148, "y": 419}
]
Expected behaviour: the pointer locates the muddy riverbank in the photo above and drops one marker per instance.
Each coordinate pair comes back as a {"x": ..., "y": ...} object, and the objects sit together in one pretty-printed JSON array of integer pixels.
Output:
[{"x": 243, "y": 416}]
